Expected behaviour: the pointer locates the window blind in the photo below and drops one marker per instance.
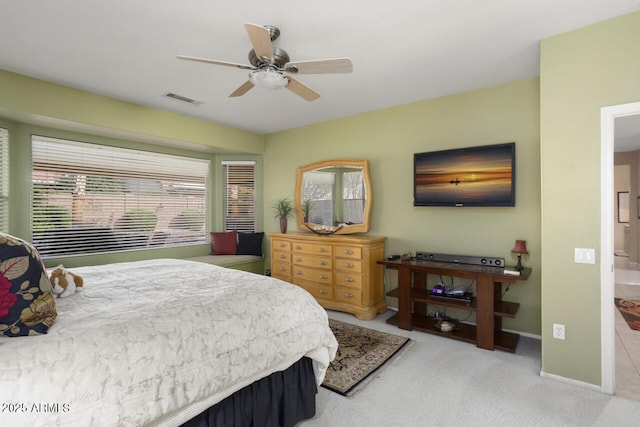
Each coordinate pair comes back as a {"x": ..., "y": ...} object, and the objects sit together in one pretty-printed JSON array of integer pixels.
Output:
[
  {"x": 4, "y": 180},
  {"x": 239, "y": 195},
  {"x": 90, "y": 198}
]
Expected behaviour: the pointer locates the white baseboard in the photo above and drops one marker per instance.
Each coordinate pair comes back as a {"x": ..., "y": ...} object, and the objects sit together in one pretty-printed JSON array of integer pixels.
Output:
[
  {"x": 571, "y": 381},
  {"x": 524, "y": 334}
]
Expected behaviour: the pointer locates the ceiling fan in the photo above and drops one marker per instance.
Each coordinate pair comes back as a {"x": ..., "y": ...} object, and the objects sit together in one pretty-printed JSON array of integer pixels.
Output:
[{"x": 270, "y": 66}]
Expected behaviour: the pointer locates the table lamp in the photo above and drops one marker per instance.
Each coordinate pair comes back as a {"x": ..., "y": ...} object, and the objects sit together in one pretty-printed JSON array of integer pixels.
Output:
[{"x": 520, "y": 249}]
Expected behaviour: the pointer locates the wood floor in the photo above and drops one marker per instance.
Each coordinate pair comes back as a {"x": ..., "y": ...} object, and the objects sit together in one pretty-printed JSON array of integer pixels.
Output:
[{"x": 627, "y": 340}]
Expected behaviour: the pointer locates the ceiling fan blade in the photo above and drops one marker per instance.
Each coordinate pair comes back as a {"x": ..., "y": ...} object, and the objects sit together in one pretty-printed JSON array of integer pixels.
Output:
[
  {"x": 302, "y": 90},
  {"x": 320, "y": 66},
  {"x": 213, "y": 61},
  {"x": 244, "y": 88},
  {"x": 260, "y": 40}
]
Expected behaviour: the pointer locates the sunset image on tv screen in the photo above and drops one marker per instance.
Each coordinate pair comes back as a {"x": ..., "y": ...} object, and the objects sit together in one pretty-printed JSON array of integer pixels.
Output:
[{"x": 477, "y": 176}]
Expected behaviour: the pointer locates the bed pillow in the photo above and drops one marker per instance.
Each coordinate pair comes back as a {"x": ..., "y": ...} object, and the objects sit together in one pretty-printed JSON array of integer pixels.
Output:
[
  {"x": 27, "y": 305},
  {"x": 250, "y": 244},
  {"x": 224, "y": 243}
]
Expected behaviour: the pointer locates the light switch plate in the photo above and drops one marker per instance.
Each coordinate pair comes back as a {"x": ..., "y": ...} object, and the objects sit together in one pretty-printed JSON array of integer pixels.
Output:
[{"x": 585, "y": 256}]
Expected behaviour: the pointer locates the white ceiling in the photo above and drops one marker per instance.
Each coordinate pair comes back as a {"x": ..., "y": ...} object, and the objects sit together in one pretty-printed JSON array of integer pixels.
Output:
[
  {"x": 403, "y": 51},
  {"x": 627, "y": 133}
]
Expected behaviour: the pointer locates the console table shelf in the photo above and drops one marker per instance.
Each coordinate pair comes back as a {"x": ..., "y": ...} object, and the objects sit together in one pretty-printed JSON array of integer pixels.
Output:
[
  {"x": 505, "y": 341},
  {"x": 413, "y": 297},
  {"x": 500, "y": 308}
]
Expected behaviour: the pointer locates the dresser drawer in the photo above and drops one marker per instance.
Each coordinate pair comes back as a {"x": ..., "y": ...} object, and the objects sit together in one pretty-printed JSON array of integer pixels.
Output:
[
  {"x": 312, "y": 260},
  {"x": 319, "y": 291},
  {"x": 348, "y": 265},
  {"x": 311, "y": 274},
  {"x": 348, "y": 295},
  {"x": 281, "y": 256},
  {"x": 280, "y": 245},
  {"x": 340, "y": 272},
  {"x": 281, "y": 270},
  {"x": 312, "y": 248},
  {"x": 345, "y": 278},
  {"x": 344, "y": 251}
]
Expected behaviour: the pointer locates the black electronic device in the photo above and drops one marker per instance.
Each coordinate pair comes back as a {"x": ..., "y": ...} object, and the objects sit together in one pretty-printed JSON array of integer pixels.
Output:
[
  {"x": 393, "y": 257},
  {"x": 465, "y": 297},
  {"x": 456, "y": 292},
  {"x": 461, "y": 259},
  {"x": 459, "y": 293}
]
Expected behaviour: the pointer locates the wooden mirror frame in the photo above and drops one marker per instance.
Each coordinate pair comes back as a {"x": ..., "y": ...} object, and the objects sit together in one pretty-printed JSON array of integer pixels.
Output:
[{"x": 356, "y": 163}]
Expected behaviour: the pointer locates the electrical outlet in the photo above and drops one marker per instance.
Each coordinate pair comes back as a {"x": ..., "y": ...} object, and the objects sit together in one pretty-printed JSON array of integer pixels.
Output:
[{"x": 558, "y": 331}]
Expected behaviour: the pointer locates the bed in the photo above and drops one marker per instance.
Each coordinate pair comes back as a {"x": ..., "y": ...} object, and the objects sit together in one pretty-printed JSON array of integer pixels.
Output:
[{"x": 165, "y": 342}]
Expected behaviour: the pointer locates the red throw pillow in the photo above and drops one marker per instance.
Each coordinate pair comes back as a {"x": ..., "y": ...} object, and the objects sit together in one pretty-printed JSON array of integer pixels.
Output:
[{"x": 224, "y": 243}]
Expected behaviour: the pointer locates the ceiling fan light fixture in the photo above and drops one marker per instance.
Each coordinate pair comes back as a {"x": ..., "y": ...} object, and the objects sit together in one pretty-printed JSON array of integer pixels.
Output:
[{"x": 268, "y": 78}]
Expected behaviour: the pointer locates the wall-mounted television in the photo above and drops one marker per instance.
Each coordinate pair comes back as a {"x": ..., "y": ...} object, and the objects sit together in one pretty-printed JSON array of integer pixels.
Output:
[{"x": 471, "y": 176}]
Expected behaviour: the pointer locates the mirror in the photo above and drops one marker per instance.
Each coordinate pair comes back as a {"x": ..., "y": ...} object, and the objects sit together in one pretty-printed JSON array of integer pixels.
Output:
[{"x": 334, "y": 196}]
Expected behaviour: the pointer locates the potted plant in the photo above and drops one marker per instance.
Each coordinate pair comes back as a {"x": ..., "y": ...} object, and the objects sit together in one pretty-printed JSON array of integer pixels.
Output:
[
  {"x": 306, "y": 209},
  {"x": 283, "y": 209}
]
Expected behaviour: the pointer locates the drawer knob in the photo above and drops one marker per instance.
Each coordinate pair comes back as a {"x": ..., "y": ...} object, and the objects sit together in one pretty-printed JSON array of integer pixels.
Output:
[
  {"x": 348, "y": 251},
  {"x": 282, "y": 245},
  {"x": 323, "y": 262},
  {"x": 324, "y": 276},
  {"x": 298, "y": 248},
  {"x": 348, "y": 279},
  {"x": 283, "y": 256},
  {"x": 348, "y": 265},
  {"x": 323, "y": 249},
  {"x": 324, "y": 291},
  {"x": 299, "y": 273},
  {"x": 298, "y": 260},
  {"x": 348, "y": 295},
  {"x": 283, "y": 268}
]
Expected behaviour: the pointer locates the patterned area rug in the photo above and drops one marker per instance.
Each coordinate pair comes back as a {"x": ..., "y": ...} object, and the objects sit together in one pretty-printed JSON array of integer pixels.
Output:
[
  {"x": 361, "y": 352},
  {"x": 630, "y": 310}
]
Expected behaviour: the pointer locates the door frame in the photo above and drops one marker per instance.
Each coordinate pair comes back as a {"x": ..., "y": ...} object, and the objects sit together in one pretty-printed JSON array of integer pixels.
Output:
[{"x": 607, "y": 278}]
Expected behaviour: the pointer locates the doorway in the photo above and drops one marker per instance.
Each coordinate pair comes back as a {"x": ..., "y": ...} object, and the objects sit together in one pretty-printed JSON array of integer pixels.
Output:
[{"x": 607, "y": 263}]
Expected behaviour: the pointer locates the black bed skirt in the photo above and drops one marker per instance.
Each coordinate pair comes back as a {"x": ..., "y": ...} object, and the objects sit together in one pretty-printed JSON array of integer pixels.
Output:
[{"x": 280, "y": 400}]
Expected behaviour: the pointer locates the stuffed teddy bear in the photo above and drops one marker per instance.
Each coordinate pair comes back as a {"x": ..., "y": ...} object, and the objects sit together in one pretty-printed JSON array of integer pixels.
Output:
[{"x": 64, "y": 282}]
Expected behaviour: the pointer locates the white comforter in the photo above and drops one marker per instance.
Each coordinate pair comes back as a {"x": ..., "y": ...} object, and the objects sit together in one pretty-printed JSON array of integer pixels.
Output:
[{"x": 157, "y": 342}]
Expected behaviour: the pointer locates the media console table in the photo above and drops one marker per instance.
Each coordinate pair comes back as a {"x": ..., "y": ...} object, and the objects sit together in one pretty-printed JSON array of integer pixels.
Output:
[{"x": 413, "y": 298}]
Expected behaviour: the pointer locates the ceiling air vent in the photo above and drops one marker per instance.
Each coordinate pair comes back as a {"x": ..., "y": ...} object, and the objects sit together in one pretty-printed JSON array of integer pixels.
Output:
[{"x": 181, "y": 98}]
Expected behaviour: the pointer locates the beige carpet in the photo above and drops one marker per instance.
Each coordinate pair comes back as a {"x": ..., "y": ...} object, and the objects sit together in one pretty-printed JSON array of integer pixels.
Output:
[
  {"x": 361, "y": 352},
  {"x": 444, "y": 382}
]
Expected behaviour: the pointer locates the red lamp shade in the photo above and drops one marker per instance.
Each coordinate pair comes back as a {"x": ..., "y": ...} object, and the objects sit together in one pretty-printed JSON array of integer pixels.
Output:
[{"x": 520, "y": 247}]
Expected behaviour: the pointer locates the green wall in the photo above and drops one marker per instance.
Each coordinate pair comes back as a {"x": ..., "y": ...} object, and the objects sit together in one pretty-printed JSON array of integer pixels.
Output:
[
  {"x": 581, "y": 72},
  {"x": 29, "y": 106},
  {"x": 389, "y": 138},
  {"x": 29, "y": 100}
]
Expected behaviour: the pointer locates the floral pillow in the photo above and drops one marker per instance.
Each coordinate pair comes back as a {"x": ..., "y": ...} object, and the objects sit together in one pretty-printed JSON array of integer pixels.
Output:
[{"x": 27, "y": 305}]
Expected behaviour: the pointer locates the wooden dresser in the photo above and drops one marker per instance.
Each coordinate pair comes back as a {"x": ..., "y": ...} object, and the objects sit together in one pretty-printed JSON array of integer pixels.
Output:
[{"x": 340, "y": 271}]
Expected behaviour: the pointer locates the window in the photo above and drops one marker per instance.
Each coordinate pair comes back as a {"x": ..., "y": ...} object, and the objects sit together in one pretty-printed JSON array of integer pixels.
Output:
[
  {"x": 239, "y": 195},
  {"x": 90, "y": 198},
  {"x": 319, "y": 187},
  {"x": 4, "y": 180},
  {"x": 353, "y": 194}
]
